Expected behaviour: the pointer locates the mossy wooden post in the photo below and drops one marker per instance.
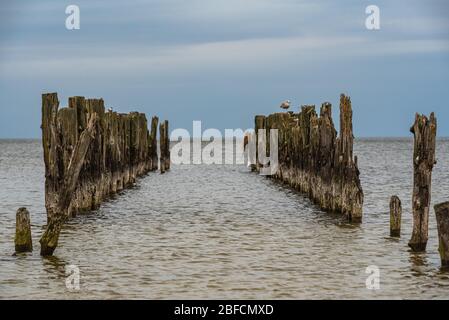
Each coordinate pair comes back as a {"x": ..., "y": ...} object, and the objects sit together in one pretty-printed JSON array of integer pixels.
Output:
[
  {"x": 442, "y": 215},
  {"x": 424, "y": 130},
  {"x": 23, "y": 241},
  {"x": 395, "y": 216},
  {"x": 153, "y": 144}
]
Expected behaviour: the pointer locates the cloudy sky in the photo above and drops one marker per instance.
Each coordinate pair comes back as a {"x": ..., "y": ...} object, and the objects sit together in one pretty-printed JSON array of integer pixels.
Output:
[{"x": 223, "y": 61}]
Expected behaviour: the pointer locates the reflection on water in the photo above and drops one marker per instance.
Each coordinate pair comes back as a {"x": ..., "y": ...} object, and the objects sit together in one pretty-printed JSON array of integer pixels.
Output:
[{"x": 219, "y": 231}]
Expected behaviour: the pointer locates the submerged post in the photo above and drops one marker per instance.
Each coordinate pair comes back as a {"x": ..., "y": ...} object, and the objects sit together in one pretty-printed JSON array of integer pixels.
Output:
[
  {"x": 442, "y": 214},
  {"x": 395, "y": 216},
  {"x": 23, "y": 241},
  {"x": 424, "y": 131}
]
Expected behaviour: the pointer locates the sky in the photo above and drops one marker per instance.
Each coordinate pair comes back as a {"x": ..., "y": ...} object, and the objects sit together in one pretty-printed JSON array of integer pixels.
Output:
[{"x": 224, "y": 61}]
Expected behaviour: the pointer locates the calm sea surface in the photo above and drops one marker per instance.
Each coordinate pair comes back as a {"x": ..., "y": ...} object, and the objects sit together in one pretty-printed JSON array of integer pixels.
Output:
[{"x": 219, "y": 231}]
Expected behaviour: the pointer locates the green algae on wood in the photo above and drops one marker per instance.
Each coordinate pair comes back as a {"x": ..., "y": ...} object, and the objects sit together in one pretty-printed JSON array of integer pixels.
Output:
[
  {"x": 23, "y": 241},
  {"x": 395, "y": 216}
]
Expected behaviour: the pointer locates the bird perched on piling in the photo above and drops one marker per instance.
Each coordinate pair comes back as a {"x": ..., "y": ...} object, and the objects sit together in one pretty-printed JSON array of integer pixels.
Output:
[{"x": 285, "y": 105}]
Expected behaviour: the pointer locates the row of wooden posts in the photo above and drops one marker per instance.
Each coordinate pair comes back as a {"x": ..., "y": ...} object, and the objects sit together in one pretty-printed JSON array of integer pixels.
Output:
[
  {"x": 420, "y": 232},
  {"x": 89, "y": 154},
  {"x": 317, "y": 162},
  {"x": 424, "y": 130},
  {"x": 312, "y": 158}
]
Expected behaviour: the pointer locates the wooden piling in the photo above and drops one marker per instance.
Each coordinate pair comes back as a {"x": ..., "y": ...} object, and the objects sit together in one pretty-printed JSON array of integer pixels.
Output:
[
  {"x": 167, "y": 146},
  {"x": 442, "y": 215},
  {"x": 424, "y": 131},
  {"x": 59, "y": 211},
  {"x": 153, "y": 143},
  {"x": 23, "y": 241},
  {"x": 164, "y": 145},
  {"x": 395, "y": 216},
  {"x": 260, "y": 140},
  {"x": 314, "y": 160},
  {"x": 89, "y": 154}
]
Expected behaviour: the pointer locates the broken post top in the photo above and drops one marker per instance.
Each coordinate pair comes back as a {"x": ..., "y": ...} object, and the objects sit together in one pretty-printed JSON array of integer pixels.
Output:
[
  {"x": 421, "y": 120},
  {"x": 395, "y": 199},
  {"x": 326, "y": 110},
  {"x": 442, "y": 207},
  {"x": 424, "y": 130}
]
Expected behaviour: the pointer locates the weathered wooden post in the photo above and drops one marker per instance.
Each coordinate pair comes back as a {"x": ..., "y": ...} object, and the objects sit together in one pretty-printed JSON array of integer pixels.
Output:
[
  {"x": 162, "y": 146},
  {"x": 260, "y": 140},
  {"x": 58, "y": 209},
  {"x": 349, "y": 172},
  {"x": 50, "y": 141},
  {"x": 424, "y": 131},
  {"x": 153, "y": 143},
  {"x": 167, "y": 146},
  {"x": 442, "y": 214},
  {"x": 346, "y": 135},
  {"x": 395, "y": 216},
  {"x": 23, "y": 241}
]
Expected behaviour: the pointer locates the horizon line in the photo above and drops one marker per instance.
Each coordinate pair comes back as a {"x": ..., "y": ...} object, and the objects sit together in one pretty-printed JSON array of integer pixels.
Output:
[{"x": 355, "y": 138}]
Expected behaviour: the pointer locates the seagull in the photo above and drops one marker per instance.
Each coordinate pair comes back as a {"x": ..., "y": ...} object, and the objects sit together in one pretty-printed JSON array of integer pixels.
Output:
[
  {"x": 285, "y": 105},
  {"x": 110, "y": 109}
]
